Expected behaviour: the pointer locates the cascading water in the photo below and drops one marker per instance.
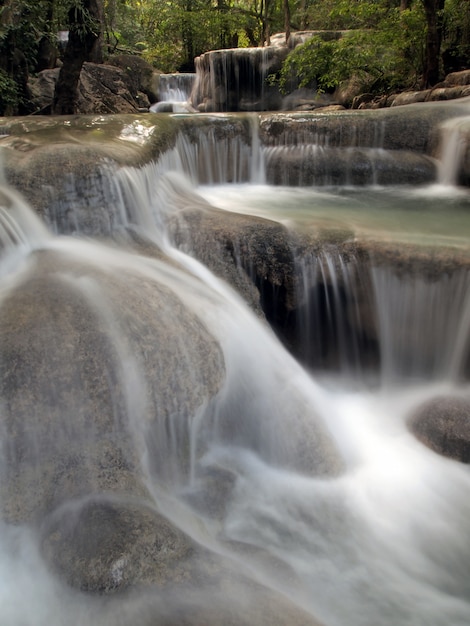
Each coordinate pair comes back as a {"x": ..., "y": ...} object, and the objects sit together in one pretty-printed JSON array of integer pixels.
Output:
[
  {"x": 156, "y": 391},
  {"x": 174, "y": 91},
  {"x": 236, "y": 79},
  {"x": 453, "y": 148}
]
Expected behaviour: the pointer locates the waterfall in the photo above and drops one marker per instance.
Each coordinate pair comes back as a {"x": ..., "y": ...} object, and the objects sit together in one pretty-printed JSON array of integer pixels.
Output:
[
  {"x": 310, "y": 154},
  {"x": 236, "y": 79},
  {"x": 423, "y": 325},
  {"x": 166, "y": 459},
  {"x": 331, "y": 331},
  {"x": 454, "y": 144},
  {"x": 174, "y": 92},
  {"x": 176, "y": 87}
]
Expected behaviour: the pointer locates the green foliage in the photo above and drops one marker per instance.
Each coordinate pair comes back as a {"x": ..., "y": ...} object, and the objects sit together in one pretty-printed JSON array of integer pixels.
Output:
[
  {"x": 384, "y": 51},
  {"x": 382, "y": 47},
  {"x": 173, "y": 33},
  {"x": 456, "y": 45},
  {"x": 8, "y": 94}
]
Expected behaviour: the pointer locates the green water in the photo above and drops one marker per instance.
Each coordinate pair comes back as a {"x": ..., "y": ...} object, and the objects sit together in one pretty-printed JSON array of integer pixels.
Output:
[{"x": 433, "y": 215}]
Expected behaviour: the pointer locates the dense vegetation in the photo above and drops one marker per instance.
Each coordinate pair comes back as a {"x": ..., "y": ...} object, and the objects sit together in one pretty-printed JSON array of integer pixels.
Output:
[{"x": 388, "y": 44}]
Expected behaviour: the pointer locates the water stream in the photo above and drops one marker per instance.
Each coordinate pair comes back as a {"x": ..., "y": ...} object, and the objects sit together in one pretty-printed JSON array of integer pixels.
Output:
[
  {"x": 309, "y": 485},
  {"x": 174, "y": 91}
]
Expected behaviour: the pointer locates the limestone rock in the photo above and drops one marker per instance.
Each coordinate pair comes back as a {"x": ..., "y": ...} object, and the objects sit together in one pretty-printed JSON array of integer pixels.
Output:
[
  {"x": 42, "y": 89},
  {"x": 103, "y": 545},
  {"x": 458, "y": 78},
  {"x": 95, "y": 369},
  {"x": 448, "y": 93},
  {"x": 443, "y": 424},
  {"x": 411, "y": 97},
  {"x": 140, "y": 74},
  {"x": 106, "y": 89},
  {"x": 122, "y": 86}
]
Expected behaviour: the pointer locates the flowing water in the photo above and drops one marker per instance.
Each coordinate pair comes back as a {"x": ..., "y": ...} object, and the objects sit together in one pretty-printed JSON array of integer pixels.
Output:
[
  {"x": 174, "y": 91},
  {"x": 373, "y": 528}
]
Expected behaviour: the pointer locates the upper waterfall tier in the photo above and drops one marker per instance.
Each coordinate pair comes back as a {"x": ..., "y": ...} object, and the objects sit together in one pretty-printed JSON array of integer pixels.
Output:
[
  {"x": 53, "y": 160},
  {"x": 235, "y": 80}
]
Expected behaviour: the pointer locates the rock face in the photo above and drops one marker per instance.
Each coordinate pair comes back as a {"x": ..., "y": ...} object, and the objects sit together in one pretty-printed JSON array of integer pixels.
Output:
[
  {"x": 325, "y": 284},
  {"x": 93, "y": 380},
  {"x": 321, "y": 165},
  {"x": 443, "y": 424},
  {"x": 69, "y": 181},
  {"x": 141, "y": 76},
  {"x": 126, "y": 85},
  {"x": 72, "y": 424},
  {"x": 107, "y": 545}
]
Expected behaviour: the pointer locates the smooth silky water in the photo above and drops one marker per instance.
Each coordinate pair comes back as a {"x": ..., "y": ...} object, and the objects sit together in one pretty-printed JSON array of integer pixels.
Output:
[{"x": 384, "y": 538}]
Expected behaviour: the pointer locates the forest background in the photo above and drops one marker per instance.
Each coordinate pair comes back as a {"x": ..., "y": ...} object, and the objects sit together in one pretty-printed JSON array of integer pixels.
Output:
[{"x": 389, "y": 45}]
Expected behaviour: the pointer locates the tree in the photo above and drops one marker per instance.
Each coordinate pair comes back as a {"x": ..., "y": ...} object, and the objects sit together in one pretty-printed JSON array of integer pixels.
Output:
[
  {"x": 434, "y": 12},
  {"x": 20, "y": 23},
  {"x": 455, "y": 47},
  {"x": 383, "y": 53},
  {"x": 85, "y": 20}
]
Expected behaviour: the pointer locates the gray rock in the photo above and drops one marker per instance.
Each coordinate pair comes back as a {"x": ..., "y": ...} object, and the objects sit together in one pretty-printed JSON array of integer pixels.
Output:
[
  {"x": 141, "y": 76},
  {"x": 458, "y": 78},
  {"x": 125, "y": 85},
  {"x": 443, "y": 424},
  {"x": 72, "y": 338},
  {"x": 104, "y": 545}
]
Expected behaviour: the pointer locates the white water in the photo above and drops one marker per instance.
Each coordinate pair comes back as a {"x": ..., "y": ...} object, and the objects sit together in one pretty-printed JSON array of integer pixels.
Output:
[
  {"x": 453, "y": 150},
  {"x": 174, "y": 91},
  {"x": 384, "y": 543}
]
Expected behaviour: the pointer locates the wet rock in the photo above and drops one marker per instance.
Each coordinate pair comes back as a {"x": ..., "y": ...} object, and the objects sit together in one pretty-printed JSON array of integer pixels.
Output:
[
  {"x": 256, "y": 257},
  {"x": 301, "y": 165},
  {"x": 443, "y": 424},
  {"x": 70, "y": 182},
  {"x": 95, "y": 370},
  {"x": 103, "y": 545},
  {"x": 397, "y": 128},
  {"x": 251, "y": 253}
]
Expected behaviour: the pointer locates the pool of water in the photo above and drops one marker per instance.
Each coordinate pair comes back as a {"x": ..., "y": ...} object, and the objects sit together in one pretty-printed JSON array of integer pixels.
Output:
[{"x": 428, "y": 215}]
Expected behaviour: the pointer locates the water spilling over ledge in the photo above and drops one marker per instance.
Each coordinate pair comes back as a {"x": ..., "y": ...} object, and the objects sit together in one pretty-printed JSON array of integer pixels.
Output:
[{"x": 210, "y": 391}]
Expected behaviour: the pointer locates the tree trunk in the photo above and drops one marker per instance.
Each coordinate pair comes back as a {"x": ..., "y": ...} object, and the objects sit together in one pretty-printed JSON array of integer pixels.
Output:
[
  {"x": 287, "y": 19},
  {"x": 83, "y": 45},
  {"x": 434, "y": 21},
  {"x": 303, "y": 14},
  {"x": 266, "y": 29},
  {"x": 47, "y": 50}
]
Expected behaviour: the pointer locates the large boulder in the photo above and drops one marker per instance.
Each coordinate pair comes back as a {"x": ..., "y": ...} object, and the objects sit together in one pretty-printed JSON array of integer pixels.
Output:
[
  {"x": 104, "y": 545},
  {"x": 101, "y": 374},
  {"x": 140, "y": 75},
  {"x": 443, "y": 424},
  {"x": 73, "y": 339},
  {"x": 125, "y": 85},
  {"x": 107, "y": 89}
]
